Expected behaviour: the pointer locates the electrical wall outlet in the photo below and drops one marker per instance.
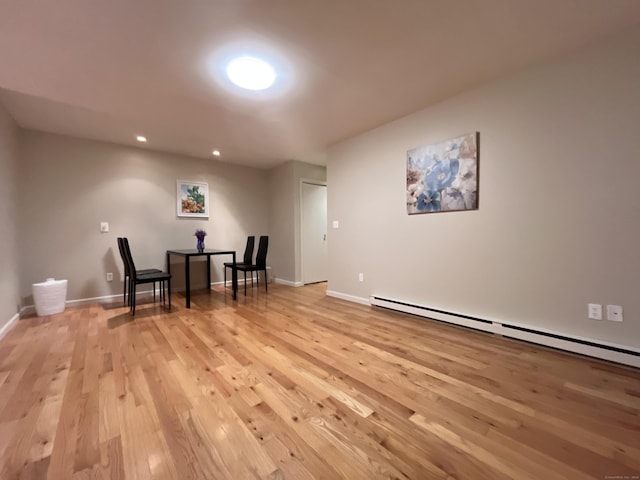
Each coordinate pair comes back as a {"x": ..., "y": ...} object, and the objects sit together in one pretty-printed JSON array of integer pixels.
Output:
[
  {"x": 595, "y": 311},
  {"x": 109, "y": 277},
  {"x": 104, "y": 227},
  {"x": 614, "y": 313}
]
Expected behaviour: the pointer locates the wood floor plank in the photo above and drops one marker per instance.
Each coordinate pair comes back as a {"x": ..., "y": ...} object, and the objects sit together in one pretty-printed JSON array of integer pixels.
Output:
[
  {"x": 169, "y": 423},
  {"x": 64, "y": 446},
  {"x": 109, "y": 424},
  {"x": 292, "y": 384}
]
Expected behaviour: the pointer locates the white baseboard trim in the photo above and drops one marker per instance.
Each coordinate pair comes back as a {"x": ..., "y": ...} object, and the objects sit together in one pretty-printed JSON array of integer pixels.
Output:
[
  {"x": 9, "y": 325},
  {"x": 585, "y": 346},
  {"x": 228, "y": 284},
  {"x": 282, "y": 281},
  {"x": 350, "y": 298},
  {"x": 29, "y": 309}
]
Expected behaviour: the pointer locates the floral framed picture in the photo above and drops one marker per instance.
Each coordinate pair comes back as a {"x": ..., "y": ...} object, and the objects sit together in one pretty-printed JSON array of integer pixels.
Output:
[
  {"x": 443, "y": 177},
  {"x": 193, "y": 199}
]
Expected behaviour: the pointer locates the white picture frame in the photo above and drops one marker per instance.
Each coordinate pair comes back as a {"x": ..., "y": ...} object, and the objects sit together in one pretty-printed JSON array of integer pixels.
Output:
[{"x": 192, "y": 199}]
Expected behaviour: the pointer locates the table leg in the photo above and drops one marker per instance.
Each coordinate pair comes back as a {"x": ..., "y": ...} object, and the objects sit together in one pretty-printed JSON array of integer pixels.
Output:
[
  {"x": 234, "y": 278},
  {"x": 169, "y": 281},
  {"x": 209, "y": 272},
  {"x": 187, "y": 280}
]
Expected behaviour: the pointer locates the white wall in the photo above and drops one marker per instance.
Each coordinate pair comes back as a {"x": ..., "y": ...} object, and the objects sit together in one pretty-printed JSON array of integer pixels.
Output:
[
  {"x": 68, "y": 186},
  {"x": 9, "y": 273},
  {"x": 558, "y": 223}
]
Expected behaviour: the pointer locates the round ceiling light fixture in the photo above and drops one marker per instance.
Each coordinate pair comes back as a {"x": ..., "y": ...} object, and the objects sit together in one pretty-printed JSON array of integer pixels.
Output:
[{"x": 251, "y": 73}]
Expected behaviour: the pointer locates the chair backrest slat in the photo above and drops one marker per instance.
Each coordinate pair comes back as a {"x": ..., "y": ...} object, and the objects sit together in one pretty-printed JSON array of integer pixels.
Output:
[
  {"x": 129, "y": 258},
  {"x": 248, "y": 250},
  {"x": 123, "y": 256},
  {"x": 261, "y": 256}
]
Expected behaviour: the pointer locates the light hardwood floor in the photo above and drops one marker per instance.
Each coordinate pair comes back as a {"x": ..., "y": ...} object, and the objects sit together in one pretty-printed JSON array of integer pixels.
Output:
[{"x": 293, "y": 384}]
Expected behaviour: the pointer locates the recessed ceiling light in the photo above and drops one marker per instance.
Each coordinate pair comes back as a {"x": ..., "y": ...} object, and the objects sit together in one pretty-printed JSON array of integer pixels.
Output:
[
  {"x": 251, "y": 73},
  {"x": 216, "y": 153},
  {"x": 140, "y": 138}
]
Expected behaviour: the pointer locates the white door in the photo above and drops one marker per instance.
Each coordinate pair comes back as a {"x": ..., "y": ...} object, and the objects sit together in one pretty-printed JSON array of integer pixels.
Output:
[{"x": 314, "y": 233}]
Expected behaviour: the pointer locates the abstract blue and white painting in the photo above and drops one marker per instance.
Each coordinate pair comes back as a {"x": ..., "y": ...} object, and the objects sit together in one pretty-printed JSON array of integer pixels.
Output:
[{"x": 443, "y": 177}]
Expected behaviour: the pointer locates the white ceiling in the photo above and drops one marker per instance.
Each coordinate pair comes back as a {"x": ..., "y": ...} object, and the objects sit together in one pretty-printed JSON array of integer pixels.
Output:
[{"x": 112, "y": 69}]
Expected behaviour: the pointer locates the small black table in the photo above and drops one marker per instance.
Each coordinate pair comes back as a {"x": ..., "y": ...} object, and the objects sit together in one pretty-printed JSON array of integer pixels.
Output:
[{"x": 192, "y": 252}]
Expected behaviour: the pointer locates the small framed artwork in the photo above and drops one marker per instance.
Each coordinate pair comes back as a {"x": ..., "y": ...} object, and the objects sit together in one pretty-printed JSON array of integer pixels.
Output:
[
  {"x": 443, "y": 177},
  {"x": 193, "y": 199}
]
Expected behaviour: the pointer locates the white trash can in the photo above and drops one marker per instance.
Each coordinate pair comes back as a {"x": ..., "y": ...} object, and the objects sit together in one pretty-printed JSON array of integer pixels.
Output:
[{"x": 50, "y": 297}]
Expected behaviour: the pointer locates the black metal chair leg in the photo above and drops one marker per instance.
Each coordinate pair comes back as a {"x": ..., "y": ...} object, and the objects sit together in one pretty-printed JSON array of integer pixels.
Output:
[
  {"x": 169, "y": 291},
  {"x": 133, "y": 298}
]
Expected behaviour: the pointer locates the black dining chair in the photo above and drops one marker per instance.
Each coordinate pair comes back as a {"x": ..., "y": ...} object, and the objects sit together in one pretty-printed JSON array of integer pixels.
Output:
[
  {"x": 247, "y": 258},
  {"x": 137, "y": 279},
  {"x": 121, "y": 241},
  {"x": 259, "y": 266}
]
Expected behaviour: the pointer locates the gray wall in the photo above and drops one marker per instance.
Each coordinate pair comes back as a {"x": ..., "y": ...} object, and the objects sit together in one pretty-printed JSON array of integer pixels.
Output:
[
  {"x": 70, "y": 185},
  {"x": 284, "y": 217},
  {"x": 281, "y": 218},
  {"x": 558, "y": 223},
  {"x": 9, "y": 276}
]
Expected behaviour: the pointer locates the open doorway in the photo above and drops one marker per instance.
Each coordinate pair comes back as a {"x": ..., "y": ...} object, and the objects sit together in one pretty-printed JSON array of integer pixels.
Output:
[{"x": 313, "y": 242}]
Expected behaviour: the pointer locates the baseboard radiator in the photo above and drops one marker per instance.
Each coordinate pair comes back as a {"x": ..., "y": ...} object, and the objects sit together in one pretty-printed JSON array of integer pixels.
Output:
[{"x": 607, "y": 351}]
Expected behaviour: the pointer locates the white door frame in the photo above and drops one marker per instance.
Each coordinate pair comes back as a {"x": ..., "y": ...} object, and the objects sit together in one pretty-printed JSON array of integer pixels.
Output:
[{"x": 301, "y": 210}]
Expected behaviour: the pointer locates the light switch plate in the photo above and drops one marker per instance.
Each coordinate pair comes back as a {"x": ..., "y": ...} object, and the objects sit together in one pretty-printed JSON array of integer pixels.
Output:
[
  {"x": 104, "y": 227},
  {"x": 336, "y": 224},
  {"x": 595, "y": 311}
]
